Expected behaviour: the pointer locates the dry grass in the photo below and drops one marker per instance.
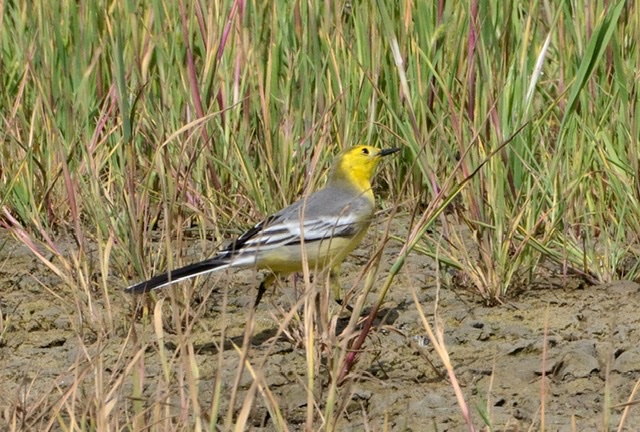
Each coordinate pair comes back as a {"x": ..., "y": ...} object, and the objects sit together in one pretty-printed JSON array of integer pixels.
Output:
[{"x": 131, "y": 128}]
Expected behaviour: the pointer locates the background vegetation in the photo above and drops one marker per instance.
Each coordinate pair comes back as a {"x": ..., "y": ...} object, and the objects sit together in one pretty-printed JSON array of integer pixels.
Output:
[{"x": 128, "y": 122}]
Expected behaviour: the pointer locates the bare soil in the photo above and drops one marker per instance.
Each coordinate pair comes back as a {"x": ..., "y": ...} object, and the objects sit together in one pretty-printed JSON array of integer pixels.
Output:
[{"x": 559, "y": 348}]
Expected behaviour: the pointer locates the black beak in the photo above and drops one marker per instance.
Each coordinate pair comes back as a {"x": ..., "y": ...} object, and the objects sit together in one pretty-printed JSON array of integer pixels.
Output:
[{"x": 387, "y": 152}]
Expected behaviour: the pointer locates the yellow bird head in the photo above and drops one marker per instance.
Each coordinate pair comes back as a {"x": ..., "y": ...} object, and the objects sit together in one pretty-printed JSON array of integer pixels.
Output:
[{"x": 357, "y": 165}]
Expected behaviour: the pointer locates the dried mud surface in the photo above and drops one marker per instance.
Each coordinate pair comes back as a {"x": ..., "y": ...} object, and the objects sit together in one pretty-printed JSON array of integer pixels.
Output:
[{"x": 578, "y": 345}]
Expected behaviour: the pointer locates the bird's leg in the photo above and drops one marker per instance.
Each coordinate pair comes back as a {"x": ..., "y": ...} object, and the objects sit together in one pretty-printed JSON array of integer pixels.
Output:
[
  {"x": 266, "y": 283},
  {"x": 334, "y": 281}
]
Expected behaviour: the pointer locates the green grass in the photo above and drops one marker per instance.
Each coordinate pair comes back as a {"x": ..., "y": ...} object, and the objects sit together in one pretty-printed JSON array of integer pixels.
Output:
[{"x": 130, "y": 126}]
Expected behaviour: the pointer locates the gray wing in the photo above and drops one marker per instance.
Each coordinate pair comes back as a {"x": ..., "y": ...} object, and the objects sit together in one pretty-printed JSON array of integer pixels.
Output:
[{"x": 328, "y": 213}]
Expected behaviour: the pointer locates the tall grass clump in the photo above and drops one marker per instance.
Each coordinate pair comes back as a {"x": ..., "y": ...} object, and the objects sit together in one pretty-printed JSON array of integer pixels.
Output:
[{"x": 529, "y": 93}]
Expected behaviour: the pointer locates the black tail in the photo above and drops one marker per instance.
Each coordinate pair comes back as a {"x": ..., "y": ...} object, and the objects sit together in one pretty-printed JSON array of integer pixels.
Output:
[{"x": 176, "y": 275}]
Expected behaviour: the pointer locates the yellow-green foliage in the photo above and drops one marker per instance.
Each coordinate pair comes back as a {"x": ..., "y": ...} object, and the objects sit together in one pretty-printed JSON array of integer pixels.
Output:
[{"x": 119, "y": 118}]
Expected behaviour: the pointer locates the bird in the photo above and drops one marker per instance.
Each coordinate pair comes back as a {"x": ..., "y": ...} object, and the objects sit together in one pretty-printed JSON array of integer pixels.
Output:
[{"x": 329, "y": 224}]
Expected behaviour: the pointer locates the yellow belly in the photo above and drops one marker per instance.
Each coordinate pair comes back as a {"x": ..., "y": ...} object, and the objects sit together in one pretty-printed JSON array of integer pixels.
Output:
[{"x": 319, "y": 254}]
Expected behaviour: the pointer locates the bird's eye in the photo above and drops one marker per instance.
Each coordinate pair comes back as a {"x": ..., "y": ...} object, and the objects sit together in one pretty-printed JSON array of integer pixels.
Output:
[{"x": 365, "y": 151}]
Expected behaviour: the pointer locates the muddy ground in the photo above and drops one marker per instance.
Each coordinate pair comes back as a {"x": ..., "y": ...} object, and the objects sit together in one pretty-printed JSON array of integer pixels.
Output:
[{"x": 590, "y": 362}]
